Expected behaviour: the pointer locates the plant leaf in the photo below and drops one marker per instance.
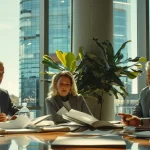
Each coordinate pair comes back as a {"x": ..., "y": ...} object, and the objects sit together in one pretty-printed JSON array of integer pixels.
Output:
[
  {"x": 52, "y": 64},
  {"x": 80, "y": 54},
  {"x": 70, "y": 58},
  {"x": 109, "y": 51},
  {"x": 61, "y": 56},
  {"x": 117, "y": 55}
]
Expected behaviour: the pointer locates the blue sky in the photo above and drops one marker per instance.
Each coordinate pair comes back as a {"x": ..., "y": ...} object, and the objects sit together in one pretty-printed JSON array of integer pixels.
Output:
[{"x": 9, "y": 44}]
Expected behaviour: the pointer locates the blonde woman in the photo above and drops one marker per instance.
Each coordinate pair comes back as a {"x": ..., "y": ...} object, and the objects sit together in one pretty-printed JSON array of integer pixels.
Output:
[{"x": 63, "y": 94}]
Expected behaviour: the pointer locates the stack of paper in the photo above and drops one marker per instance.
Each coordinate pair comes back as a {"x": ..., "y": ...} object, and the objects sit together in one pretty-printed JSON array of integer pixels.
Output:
[
  {"x": 23, "y": 121},
  {"x": 25, "y": 125}
]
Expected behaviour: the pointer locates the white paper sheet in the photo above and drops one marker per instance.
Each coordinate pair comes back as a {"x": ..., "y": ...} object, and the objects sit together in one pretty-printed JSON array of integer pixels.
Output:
[
  {"x": 70, "y": 124},
  {"x": 45, "y": 123},
  {"x": 89, "y": 132},
  {"x": 62, "y": 111},
  {"x": 18, "y": 123}
]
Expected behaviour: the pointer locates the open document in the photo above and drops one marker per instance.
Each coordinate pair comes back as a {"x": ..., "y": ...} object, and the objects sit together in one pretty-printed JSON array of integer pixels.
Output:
[{"x": 86, "y": 119}]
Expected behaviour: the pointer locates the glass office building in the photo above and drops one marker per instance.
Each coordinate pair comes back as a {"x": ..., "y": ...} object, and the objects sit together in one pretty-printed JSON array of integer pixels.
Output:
[
  {"x": 29, "y": 51},
  {"x": 59, "y": 23}
]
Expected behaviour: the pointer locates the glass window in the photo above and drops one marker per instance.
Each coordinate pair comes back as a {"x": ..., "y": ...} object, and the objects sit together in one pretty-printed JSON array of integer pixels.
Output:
[{"x": 125, "y": 28}]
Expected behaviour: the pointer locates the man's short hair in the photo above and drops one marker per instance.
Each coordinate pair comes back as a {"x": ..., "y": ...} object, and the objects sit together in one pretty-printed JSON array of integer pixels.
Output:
[{"x": 1, "y": 63}]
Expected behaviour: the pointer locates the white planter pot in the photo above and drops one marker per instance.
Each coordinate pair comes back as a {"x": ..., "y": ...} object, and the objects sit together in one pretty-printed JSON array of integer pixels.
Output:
[{"x": 107, "y": 113}]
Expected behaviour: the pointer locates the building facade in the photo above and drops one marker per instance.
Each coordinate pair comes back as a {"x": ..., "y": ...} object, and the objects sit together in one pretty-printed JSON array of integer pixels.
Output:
[
  {"x": 29, "y": 51},
  {"x": 59, "y": 37}
]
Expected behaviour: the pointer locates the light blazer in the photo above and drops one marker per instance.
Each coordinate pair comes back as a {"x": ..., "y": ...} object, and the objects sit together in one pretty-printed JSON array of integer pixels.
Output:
[
  {"x": 6, "y": 106},
  {"x": 53, "y": 104},
  {"x": 142, "y": 109}
]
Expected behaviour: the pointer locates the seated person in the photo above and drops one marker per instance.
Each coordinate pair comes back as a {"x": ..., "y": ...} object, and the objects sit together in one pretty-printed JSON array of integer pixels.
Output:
[
  {"x": 131, "y": 120},
  {"x": 142, "y": 109},
  {"x": 6, "y": 106},
  {"x": 63, "y": 92}
]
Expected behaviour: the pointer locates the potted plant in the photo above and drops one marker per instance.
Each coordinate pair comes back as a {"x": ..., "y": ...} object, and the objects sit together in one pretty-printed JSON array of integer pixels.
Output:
[{"x": 94, "y": 74}]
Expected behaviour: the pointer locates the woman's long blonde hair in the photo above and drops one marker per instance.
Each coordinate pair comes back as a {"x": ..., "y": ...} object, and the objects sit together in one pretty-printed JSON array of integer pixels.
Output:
[
  {"x": 53, "y": 91},
  {"x": 147, "y": 66}
]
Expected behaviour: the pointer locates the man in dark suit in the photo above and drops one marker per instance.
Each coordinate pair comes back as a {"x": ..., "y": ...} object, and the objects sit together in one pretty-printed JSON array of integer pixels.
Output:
[
  {"x": 142, "y": 108},
  {"x": 141, "y": 112},
  {"x": 6, "y": 106}
]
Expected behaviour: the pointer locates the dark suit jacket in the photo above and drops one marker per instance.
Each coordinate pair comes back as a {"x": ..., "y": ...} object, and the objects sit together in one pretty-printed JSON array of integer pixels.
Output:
[
  {"x": 142, "y": 109},
  {"x": 55, "y": 103},
  {"x": 6, "y": 106}
]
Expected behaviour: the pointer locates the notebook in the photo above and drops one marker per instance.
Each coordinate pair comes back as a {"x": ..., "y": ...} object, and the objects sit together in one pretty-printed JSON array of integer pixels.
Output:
[{"x": 113, "y": 141}]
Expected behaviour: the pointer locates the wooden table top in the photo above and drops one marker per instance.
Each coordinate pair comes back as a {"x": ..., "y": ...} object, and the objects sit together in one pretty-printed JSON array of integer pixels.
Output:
[{"x": 42, "y": 141}]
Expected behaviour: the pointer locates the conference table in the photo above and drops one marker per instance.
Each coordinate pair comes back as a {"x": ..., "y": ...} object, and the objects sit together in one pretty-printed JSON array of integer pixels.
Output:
[{"x": 42, "y": 141}]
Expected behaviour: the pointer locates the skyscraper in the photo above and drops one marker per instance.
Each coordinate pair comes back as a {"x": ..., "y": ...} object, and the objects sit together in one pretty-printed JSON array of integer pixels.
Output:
[
  {"x": 59, "y": 37},
  {"x": 29, "y": 51}
]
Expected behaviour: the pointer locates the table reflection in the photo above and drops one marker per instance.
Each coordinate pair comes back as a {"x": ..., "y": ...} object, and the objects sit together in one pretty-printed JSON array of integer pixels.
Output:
[
  {"x": 4, "y": 143},
  {"x": 133, "y": 143},
  {"x": 43, "y": 142},
  {"x": 23, "y": 143}
]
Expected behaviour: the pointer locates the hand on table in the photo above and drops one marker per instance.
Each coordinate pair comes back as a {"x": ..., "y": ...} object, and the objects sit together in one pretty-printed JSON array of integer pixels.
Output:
[
  {"x": 130, "y": 120},
  {"x": 4, "y": 118},
  {"x": 13, "y": 117}
]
